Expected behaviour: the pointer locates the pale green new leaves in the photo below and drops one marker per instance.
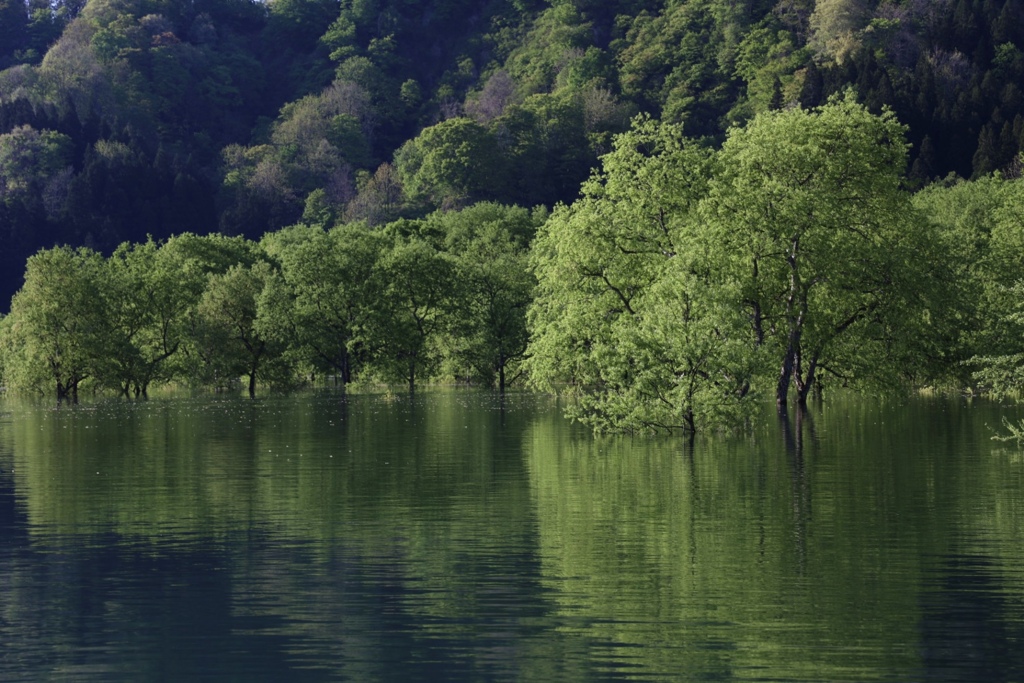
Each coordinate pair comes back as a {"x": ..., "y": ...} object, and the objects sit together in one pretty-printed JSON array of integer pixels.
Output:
[
  {"x": 56, "y": 333},
  {"x": 333, "y": 282},
  {"x": 627, "y": 311},
  {"x": 683, "y": 280},
  {"x": 808, "y": 217},
  {"x": 229, "y": 339}
]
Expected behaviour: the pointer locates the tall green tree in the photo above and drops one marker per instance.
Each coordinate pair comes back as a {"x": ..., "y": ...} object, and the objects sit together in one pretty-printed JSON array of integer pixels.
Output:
[
  {"x": 149, "y": 299},
  {"x": 807, "y": 215},
  {"x": 489, "y": 244},
  {"x": 628, "y": 314},
  {"x": 415, "y": 312},
  {"x": 333, "y": 281},
  {"x": 57, "y": 333},
  {"x": 229, "y": 339}
]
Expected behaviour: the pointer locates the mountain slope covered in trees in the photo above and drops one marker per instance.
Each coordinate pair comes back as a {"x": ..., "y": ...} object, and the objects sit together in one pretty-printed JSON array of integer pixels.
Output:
[{"x": 126, "y": 118}]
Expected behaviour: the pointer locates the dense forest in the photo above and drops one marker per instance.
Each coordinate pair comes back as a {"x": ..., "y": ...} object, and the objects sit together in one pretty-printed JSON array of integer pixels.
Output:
[
  {"x": 303, "y": 188},
  {"x": 121, "y": 119}
]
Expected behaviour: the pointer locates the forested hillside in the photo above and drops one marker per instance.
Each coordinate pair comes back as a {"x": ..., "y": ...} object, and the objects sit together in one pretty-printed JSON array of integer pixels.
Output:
[{"x": 126, "y": 118}]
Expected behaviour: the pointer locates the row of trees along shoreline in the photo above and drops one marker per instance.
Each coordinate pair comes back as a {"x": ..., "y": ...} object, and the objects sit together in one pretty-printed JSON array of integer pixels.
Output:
[{"x": 683, "y": 287}]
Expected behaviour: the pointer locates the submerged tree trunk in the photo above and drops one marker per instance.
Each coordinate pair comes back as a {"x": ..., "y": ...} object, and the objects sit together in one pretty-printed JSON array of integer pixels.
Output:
[
  {"x": 412, "y": 377},
  {"x": 252, "y": 384},
  {"x": 805, "y": 383},
  {"x": 346, "y": 368},
  {"x": 691, "y": 423},
  {"x": 796, "y": 311},
  {"x": 785, "y": 377}
]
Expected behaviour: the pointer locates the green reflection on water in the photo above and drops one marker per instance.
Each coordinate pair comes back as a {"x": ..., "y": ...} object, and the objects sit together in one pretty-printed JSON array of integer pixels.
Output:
[
  {"x": 802, "y": 553},
  {"x": 809, "y": 552},
  {"x": 311, "y": 467}
]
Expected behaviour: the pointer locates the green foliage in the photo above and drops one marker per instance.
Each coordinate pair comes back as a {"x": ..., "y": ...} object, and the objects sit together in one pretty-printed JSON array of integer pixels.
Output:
[
  {"x": 989, "y": 216},
  {"x": 489, "y": 244},
  {"x": 314, "y": 145},
  {"x": 406, "y": 302},
  {"x": 797, "y": 193},
  {"x": 333, "y": 285},
  {"x": 627, "y": 310},
  {"x": 681, "y": 284},
  {"x": 557, "y": 40},
  {"x": 236, "y": 112},
  {"x": 675, "y": 62},
  {"x": 767, "y": 61},
  {"x": 148, "y": 299},
  {"x": 380, "y": 198},
  {"x": 57, "y": 333},
  {"x": 545, "y": 147},
  {"x": 229, "y": 338},
  {"x": 300, "y": 23},
  {"x": 421, "y": 290},
  {"x": 835, "y": 27},
  {"x": 451, "y": 164},
  {"x": 30, "y": 162},
  {"x": 140, "y": 117},
  {"x": 981, "y": 267}
]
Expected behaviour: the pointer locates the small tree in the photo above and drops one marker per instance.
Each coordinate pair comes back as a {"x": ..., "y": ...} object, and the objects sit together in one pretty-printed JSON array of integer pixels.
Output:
[
  {"x": 490, "y": 247},
  {"x": 333, "y": 287},
  {"x": 228, "y": 339},
  {"x": 420, "y": 291},
  {"x": 58, "y": 331}
]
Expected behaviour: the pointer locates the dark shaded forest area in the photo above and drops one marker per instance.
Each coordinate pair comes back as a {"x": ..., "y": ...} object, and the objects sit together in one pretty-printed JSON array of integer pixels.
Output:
[{"x": 126, "y": 118}]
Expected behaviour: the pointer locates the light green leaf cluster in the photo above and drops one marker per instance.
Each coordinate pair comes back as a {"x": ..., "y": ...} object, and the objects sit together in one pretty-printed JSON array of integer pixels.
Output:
[
  {"x": 450, "y": 164},
  {"x": 810, "y": 219},
  {"x": 628, "y": 311},
  {"x": 412, "y": 300},
  {"x": 56, "y": 332},
  {"x": 686, "y": 282},
  {"x": 984, "y": 224}
]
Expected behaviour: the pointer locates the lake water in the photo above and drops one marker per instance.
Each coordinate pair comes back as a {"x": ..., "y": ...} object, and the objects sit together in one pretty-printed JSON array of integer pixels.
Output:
[{"x": 459, "y": 537}]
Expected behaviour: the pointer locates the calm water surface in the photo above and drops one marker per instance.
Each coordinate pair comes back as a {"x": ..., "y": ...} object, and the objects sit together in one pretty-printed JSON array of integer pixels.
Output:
[{"x": 459, "y": 537}]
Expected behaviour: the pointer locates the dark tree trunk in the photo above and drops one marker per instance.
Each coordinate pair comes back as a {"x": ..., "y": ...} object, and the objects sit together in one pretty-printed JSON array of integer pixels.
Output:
[
  {"x": 691, "y": 423},
  {"x": 501, "y": 374},
  {"x": 805, "y": 384},
  {"x": 785, "y": 377},
  {"x": 346, "y": 368}
]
